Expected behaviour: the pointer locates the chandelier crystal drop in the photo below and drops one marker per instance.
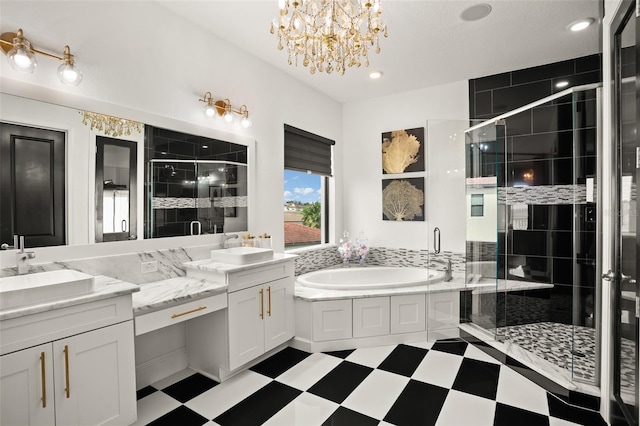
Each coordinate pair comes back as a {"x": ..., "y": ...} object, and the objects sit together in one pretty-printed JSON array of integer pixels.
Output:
[
  {"x": 329, "y": 35},
  {"x": 109, "y": 125}
]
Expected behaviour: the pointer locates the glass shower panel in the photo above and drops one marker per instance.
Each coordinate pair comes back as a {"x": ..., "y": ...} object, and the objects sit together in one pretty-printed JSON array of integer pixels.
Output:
[
  {"x": 584, "y": 296},
  {"x": 483, "y": 216},
  {"x": 196, "y": 198},
  {"x": 221, "y": 196},
  {"x": 172, "y": 188}
]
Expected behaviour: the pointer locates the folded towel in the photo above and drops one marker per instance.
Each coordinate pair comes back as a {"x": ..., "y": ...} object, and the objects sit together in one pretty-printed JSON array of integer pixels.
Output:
[{"x": 519, "y": 216}]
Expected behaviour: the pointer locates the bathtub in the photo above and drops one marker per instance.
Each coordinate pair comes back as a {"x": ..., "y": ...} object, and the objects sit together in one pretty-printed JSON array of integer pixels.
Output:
[{"x": 369, "y": 278}]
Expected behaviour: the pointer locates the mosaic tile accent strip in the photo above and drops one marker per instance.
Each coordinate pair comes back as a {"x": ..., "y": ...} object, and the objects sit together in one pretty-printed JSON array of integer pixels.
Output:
[
  {"x": 543, "y": 194},
  {"x": 481, "y": 250},
  {"x": 194, "y": 203},
  {"x": 327, "y": 256},
  {"x": 316, "y": 258}
]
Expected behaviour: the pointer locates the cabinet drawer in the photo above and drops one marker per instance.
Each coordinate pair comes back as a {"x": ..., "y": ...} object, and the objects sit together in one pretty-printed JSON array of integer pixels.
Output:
[
  {"x": 178, "y": 313},
  {"x": 30, "y": 330},
  {"x": 254, "y": 276}
]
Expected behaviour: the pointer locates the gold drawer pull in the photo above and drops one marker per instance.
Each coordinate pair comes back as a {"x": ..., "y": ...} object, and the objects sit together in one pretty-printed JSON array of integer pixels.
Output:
[
  {"x": 261, "y": 303},
  {"x": 44, "y": 383},
  {"x": 269, "y": 294},
  {"x": 66, "y": 368},
  {"x": 188, "y": 312}
]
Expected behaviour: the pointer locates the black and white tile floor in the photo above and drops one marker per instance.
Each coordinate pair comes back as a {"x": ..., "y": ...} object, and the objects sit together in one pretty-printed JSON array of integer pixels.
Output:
[{"x": 447, "y": 382}]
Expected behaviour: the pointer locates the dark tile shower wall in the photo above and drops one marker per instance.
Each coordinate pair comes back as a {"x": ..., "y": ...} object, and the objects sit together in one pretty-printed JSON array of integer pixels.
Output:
[
  {"x": 536, "y": 151},
  {"x": 171, "y": 180}
]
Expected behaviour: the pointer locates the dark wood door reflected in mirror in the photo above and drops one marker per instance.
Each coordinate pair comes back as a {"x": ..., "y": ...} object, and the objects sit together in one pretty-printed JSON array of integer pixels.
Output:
[{"x": 32, "y": 185}]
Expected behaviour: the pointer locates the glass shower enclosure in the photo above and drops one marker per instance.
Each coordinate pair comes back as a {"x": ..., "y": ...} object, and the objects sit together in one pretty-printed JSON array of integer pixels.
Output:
[
  {"x": 195, "y": 197},
  {"x": 532, "y": 231}
]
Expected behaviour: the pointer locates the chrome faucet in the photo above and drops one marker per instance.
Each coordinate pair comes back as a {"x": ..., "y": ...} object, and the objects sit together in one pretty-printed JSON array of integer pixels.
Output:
[
  {"x": 226, "y": 238},
  {"x": 448, "y": 274},
  {"x": 22, "y": 257}
]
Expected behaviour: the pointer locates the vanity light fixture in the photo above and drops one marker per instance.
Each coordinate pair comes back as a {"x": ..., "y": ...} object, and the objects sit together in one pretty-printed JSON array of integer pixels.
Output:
[
  {"x": 21, "y": 56},
  {"x": 222, "y": 108}
]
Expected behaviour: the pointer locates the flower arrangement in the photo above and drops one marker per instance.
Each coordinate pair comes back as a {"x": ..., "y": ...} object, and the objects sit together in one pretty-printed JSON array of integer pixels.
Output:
[
  {"x": 361, "y": 249},
  {"x": 345, "y": 249}
]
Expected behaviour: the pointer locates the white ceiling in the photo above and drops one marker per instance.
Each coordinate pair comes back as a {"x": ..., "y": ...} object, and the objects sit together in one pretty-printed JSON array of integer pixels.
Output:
[{"x": 428, "y": 43}]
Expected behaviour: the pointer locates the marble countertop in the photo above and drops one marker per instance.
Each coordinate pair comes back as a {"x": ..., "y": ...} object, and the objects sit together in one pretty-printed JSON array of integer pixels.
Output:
[
  {"x": 104, "y": 287},
  {"x": 456, "y": 284},
  {"x": 314, "y": 294},
  {"x": 162, "y": 294},
  {"x": 227, "y": 268}
]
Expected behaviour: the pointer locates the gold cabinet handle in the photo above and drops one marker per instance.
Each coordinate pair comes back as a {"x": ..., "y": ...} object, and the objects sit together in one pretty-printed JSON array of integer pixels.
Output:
[
  {"x": 44, "y": 381},
  {"x": 269, "y": 298},
  {"x": 188, "y": 312},
  {"x": 66, "y": 370},
  {"x": 261, "y": 303}
]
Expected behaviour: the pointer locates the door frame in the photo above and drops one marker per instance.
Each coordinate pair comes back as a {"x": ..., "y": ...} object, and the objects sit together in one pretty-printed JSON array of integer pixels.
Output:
[
  {"x": 626, "y": 12},
  {"x": 101, "y": 141}
]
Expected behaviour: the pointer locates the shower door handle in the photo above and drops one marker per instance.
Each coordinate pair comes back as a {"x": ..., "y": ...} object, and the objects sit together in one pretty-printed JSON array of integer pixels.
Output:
[
  {"x": 436, "y": 240},
  {"x": 609, "y": 276}
]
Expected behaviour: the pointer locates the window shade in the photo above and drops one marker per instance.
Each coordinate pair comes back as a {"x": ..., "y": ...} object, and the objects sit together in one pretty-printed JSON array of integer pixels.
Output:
[{"x": 304, "y": 151}]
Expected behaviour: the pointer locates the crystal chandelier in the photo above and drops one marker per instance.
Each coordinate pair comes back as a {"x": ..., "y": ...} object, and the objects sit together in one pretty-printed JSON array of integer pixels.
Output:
[{"x": 329, "y": 35}]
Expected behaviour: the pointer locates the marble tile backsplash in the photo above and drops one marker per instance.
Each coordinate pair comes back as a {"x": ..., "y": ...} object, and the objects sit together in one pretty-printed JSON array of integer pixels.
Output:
[
  {"x": 126, "y": 267},
  {"x": 327, "y": 256}
]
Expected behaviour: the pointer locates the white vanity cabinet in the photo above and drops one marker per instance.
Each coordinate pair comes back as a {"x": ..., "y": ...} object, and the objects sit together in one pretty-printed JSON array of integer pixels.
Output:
[
  {"x": 86, "y": 378},
  {"x": 260, "y": 319}
]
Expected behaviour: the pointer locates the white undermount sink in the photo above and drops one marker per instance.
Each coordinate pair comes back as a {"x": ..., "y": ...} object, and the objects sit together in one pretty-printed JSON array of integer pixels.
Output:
[
  {"x": 242, "y": 255},
  {"x": 32, "y": 289}
]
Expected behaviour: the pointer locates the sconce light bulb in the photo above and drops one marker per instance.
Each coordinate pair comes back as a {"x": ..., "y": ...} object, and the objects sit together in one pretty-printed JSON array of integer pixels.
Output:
[
  {"x": 210, "y": 111},
  {"x": 69, "y": 74},
  {"x": 246, "y": 122},
  {"x": 228, "y": 117},
  {"x": 20, "y": 57}
]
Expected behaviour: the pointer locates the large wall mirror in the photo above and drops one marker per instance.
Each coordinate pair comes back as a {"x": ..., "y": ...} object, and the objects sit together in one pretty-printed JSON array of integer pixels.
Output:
[{"x": 170, "y": 179}]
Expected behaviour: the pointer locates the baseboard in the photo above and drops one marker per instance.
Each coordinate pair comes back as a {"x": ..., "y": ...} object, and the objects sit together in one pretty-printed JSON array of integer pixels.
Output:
[{"x": 160, "y": 367}]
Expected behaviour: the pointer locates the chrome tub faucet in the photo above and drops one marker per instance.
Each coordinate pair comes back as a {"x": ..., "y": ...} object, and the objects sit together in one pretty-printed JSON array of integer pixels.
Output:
[
  {"x": 448, "y": 273},
  {"x": 22, "y": 257}
]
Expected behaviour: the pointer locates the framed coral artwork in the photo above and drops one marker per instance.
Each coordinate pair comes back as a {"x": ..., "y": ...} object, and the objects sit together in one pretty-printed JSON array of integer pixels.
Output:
[
  {"x": 403, "y": 151},
  {"x": 403, "y": 199}
]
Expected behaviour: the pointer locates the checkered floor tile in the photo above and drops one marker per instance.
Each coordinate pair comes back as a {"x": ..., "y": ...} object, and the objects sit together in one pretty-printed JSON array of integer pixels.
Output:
[{"x": 448, "y": 382}]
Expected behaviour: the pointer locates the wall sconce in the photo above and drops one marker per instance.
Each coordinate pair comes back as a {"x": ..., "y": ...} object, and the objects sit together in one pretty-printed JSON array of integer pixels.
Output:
[
  {"x": 222, "y": 108},
  {"x": 21, "y": 56}
]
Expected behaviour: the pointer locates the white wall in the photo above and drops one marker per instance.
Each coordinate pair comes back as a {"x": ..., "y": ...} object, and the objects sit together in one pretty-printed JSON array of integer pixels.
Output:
[
  {"x": 363, "y": 124},
  {"x": 141, "y": 62}
]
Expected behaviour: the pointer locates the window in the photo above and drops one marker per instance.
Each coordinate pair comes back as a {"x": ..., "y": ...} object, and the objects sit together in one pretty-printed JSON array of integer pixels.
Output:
[
  {"x": 477, "y": 205},
  {"x": 307, "y": 163}
]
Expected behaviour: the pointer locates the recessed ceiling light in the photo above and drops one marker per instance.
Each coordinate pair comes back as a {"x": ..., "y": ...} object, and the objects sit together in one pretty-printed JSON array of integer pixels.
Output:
[
  {"x": 476, "y": 12},
  {"x": 375, "y": 75},
  {"x": 562, "y": 84},
  {"x": 581, "y": 24}
]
